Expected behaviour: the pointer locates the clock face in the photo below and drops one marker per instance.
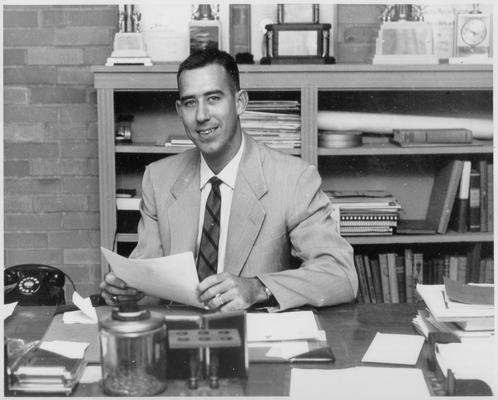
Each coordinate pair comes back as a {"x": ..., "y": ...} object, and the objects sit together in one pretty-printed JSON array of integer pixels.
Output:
[{"x": 474, "y": 31}]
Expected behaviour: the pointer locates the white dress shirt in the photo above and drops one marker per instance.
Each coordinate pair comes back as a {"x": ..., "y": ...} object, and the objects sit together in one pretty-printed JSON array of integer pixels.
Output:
[{"x": 227, "y": 175}]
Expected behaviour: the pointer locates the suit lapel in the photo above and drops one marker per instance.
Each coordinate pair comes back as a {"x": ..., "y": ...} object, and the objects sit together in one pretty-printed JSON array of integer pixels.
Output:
[
  {"x": 184, "y": 212},
  {"x": 247, "y": 214}
]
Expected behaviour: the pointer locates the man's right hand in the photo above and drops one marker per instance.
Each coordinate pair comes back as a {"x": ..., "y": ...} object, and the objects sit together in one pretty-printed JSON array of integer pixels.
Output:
[{"x": 115, "y": 290}]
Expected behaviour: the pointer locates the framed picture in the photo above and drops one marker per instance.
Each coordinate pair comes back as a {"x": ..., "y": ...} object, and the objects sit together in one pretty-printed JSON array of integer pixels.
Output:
[
  {"x": 298, "y": 13},
  {"x": 204, "y": 35}
]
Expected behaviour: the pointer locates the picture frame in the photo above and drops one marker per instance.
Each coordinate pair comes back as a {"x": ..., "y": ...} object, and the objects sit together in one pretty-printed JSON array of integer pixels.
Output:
[{"x": 298, "y": 13}]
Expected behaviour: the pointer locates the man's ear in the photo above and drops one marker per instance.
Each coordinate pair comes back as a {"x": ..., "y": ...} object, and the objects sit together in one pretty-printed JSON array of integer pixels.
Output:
[
  {"x": 178, "y": 105},
  {"x": 241, "y": 98}
]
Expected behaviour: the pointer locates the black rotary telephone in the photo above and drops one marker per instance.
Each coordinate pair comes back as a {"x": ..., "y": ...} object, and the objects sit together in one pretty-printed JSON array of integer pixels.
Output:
[{"x": 35, "y": 284}]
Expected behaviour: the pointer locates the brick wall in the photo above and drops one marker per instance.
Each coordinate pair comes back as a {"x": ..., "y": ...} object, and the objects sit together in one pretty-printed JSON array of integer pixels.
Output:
[{"x": 51, "y": 212}]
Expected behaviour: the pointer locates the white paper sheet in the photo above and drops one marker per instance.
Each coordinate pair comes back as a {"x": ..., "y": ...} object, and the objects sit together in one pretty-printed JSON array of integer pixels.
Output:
[
  {"x": 281, "y": 326},
  {"x": 173, "y": 277},
  {"x": 86, "y": 313},
  {"x": 66, "y": 348},
  {"x": 393, "y": 348},
  {"x": 358, "y": 383},
  {"x": 8, "y": 309},
  {"x": 92, "y": 373}
]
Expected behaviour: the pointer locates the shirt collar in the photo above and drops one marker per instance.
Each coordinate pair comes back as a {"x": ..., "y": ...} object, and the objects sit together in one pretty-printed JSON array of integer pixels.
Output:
[{"x": 227, "y": 174}]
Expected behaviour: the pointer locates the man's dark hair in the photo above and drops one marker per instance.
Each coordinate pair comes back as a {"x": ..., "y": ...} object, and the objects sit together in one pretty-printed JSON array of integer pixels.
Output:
[{"x": 211, "y": 56}]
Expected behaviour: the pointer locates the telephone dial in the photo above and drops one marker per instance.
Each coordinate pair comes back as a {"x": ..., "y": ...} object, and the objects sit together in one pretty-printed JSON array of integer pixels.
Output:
[{"x": 35, "y": 284}]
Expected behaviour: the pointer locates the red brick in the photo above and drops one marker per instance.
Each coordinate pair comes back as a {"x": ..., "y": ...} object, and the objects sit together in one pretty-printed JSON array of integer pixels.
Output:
[
  {"x": 50, "y": 203},
  {"x": 96, "y": 17},
  {"x": 73, "y": 131},
  {"x": 28, "y": 37},
  {"x": 70, "y": 239},
  {"x": 83, "y": 36},
  {"x": 28, "y": 151},
  {"x": 35, "y": 256},
  {"x": 81, "y": 256},
  {"x": 29, "y": 75},
  {"x": 80, "y": 185},
  {"x": 63, "y": 166},
  {"x": 15, "y": 168},
  {"x": 78, "y": 113},
  {"x": 86, "y": 220},
  {"x": 30, "y": 113},
  {"x": 56, "y": 95},
  {"x": 14, "y": 56},
  {"x": 75, "y": 75},
  {"x": 25, "y": 240},
  {"x": 17, "y": 203},
  {"x": 15, "y": 95},
  {"x": 30, "y": 185},
  {"x": 25, "y": 132},
  {"x": 54, "y": 56},
  {"x": 79, "y": 150},
  {"x": 32, "y": 222},
  {"x": 19, "y": 19}
]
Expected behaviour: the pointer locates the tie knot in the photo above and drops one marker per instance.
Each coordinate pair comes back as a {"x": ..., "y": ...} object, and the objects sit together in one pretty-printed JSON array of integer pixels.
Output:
[{"x": 215, "y": 181}]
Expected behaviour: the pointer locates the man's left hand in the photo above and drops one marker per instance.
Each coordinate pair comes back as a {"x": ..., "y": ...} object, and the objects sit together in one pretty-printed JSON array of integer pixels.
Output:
[{"x": 227, "y": 292}]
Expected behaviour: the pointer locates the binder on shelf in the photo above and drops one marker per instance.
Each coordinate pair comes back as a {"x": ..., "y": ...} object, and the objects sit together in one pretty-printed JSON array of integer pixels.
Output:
[{"x": 441, "y": 202}]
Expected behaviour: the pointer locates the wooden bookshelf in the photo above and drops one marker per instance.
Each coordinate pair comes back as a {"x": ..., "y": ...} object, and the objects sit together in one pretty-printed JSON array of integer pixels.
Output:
[{"x": 315, "y": 86}]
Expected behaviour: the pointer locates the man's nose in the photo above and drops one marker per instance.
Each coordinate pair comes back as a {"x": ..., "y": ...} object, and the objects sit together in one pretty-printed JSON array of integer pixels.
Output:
[{"x": 202, "y": 113}]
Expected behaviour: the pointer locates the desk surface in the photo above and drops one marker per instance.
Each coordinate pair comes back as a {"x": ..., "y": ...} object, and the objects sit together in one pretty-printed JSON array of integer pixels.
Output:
[{"x": 349, "y": 328}]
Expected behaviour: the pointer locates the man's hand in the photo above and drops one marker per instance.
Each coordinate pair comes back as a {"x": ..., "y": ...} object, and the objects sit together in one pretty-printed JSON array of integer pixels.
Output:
[
  {"x": 115, "y": 290},
  {"x": 227, "y": 292}
]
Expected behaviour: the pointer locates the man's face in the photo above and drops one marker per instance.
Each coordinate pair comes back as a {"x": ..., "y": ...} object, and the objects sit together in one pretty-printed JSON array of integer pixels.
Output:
[{"x": 209, "y": 108}]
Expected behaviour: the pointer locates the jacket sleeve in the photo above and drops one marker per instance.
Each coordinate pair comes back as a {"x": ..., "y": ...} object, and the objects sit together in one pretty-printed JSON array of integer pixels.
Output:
[{"x": 326, "y": 275}]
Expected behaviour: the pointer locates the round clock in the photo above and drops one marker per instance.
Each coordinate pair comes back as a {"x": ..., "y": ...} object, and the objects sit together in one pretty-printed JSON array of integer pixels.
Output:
[{"x": 474, "y": 31}]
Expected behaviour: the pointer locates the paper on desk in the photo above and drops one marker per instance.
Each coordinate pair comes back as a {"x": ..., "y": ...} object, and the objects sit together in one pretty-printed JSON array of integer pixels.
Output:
[
  {"x": 86, "y": 313},
  {"x": 65, "y": 348},
  {"x": 173, "y": 277},
  {"x": 281, "y": 326},
  {"x": 8, "y": 309},
  {"x": 359, "y": 383},
  {"x": 393, "y": 348}
]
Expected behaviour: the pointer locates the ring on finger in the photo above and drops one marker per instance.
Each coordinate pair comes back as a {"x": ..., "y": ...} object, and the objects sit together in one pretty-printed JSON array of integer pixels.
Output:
[
  {"x": 114, "y": 298},
  {"x": 220, "y": 299}
]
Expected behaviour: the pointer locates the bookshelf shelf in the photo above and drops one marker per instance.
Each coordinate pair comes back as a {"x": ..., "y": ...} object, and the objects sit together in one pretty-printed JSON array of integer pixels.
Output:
[{"x": 407, "y": 172}]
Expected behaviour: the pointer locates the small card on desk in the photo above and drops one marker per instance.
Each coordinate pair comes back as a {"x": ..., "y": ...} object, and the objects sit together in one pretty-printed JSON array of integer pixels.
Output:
[{"x": 389, "y": 348}]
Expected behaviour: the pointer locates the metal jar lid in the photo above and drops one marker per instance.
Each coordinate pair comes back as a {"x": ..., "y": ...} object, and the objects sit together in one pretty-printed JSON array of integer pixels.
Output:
[{"x": 133, "y": 323}]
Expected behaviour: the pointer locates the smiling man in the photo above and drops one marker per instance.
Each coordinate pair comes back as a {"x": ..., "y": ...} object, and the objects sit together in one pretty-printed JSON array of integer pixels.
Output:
[{"x": 256, "y": 219}]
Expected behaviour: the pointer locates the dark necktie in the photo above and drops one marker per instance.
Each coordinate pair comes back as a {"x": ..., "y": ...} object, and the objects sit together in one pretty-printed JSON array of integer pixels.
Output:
[{"x": 207, "y": 258}]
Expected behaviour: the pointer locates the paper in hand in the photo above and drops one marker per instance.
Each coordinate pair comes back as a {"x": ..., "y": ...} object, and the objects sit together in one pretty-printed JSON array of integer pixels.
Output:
[{"x": 172, "y": 278}]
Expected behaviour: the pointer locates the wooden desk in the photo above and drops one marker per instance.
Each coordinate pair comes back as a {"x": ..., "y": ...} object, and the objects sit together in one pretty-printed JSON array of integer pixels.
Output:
[{"x": 349, "y": 328}]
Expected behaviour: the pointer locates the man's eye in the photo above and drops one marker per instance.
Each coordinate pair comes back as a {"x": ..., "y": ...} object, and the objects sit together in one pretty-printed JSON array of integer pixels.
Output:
[
  {"x": 213, "y": 99},
  {"x": 189, "y": 103}
]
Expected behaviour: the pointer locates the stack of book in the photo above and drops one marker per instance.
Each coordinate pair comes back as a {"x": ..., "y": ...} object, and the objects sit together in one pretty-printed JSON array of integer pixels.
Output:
[
  {"x": 275, "y": 123},
  {"x": 369, "y": 212}
]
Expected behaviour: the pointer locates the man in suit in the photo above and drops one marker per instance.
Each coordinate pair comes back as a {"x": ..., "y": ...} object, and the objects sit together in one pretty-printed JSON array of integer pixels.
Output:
[{"x": 275, "y": 245}]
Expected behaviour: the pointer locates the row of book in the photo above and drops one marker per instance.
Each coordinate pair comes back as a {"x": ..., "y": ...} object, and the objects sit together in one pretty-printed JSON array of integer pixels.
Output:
[
  {"x": 277, "y": 123},
  {"x": 369, "y": 212},
  {"x": 391, "y": 277}
]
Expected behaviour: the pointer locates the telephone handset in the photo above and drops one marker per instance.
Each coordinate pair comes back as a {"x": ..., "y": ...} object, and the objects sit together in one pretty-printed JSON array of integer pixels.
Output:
[{"x": 35, "y": 284}]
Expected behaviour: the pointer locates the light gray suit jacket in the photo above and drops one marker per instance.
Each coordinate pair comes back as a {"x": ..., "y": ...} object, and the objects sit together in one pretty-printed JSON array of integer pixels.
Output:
[{"x": 280, "y": 227}]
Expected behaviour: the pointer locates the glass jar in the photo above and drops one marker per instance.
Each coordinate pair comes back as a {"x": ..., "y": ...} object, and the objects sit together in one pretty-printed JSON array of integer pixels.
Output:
[{"x": 133, "y": 352}]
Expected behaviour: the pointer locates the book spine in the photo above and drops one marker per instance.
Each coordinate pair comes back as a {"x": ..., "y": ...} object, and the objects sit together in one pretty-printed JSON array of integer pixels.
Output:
[
  {"x": 377, "y": 280},
  {"x": 412, "y": 136},
  {"x": 490, "y": 198},
  {"x": 408, "y": 253},
  {"x": 462, "y": 201},
  {"x": 371, "y": 289},
  {"x": 384, "y": 275},
  {"x": 362, "y": 279},
  {"x": 393, "y": 277},
  {"x": 456, "y": 167},
  {"x": 462, "y": 269},
  {"x": 490, "y": 270},
  {"x": 474, "y": 201},
  {"x": 418, "y": 269},
  {"x": 453, "y": 268},
  {"x": 483, "y": 191},
  {"x": 401, "y": 278}
]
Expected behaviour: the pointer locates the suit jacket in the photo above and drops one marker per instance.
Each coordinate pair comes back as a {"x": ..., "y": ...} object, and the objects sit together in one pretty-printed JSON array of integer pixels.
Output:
[{"x": 280, "y": 226}]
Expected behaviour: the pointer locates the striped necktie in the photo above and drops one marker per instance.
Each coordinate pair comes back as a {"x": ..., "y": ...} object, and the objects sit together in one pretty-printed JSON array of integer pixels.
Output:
[{"x": 207, "y": 258}]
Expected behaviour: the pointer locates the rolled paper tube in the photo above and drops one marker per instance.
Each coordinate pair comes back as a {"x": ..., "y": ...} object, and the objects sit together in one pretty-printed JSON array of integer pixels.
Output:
[{"x": 385, "y": 123}]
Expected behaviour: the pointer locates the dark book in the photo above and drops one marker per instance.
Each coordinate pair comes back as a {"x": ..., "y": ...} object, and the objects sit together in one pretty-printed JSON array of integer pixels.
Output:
[
  {"x": 377, "y": 279},
  {"x": 362, "y": 279},
  {"x": 410, "y": 289},
  {"x": 401, "y": 278},
  {"x": 474, "y": 201},
  {"x": 406, "y": 137},
  {"x": 384, "y": 277},
  {"x": 371, "y": 288},
  {"x": 483, "y": 191},
  {"x": 461, "y": 208},
  {"x": 473, "y": 259},
  {"x": 490, "y": 198}
]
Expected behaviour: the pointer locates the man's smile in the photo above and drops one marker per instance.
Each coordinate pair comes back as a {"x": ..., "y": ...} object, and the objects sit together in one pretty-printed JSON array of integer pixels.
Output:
[{"x": 206, "y": 132}]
